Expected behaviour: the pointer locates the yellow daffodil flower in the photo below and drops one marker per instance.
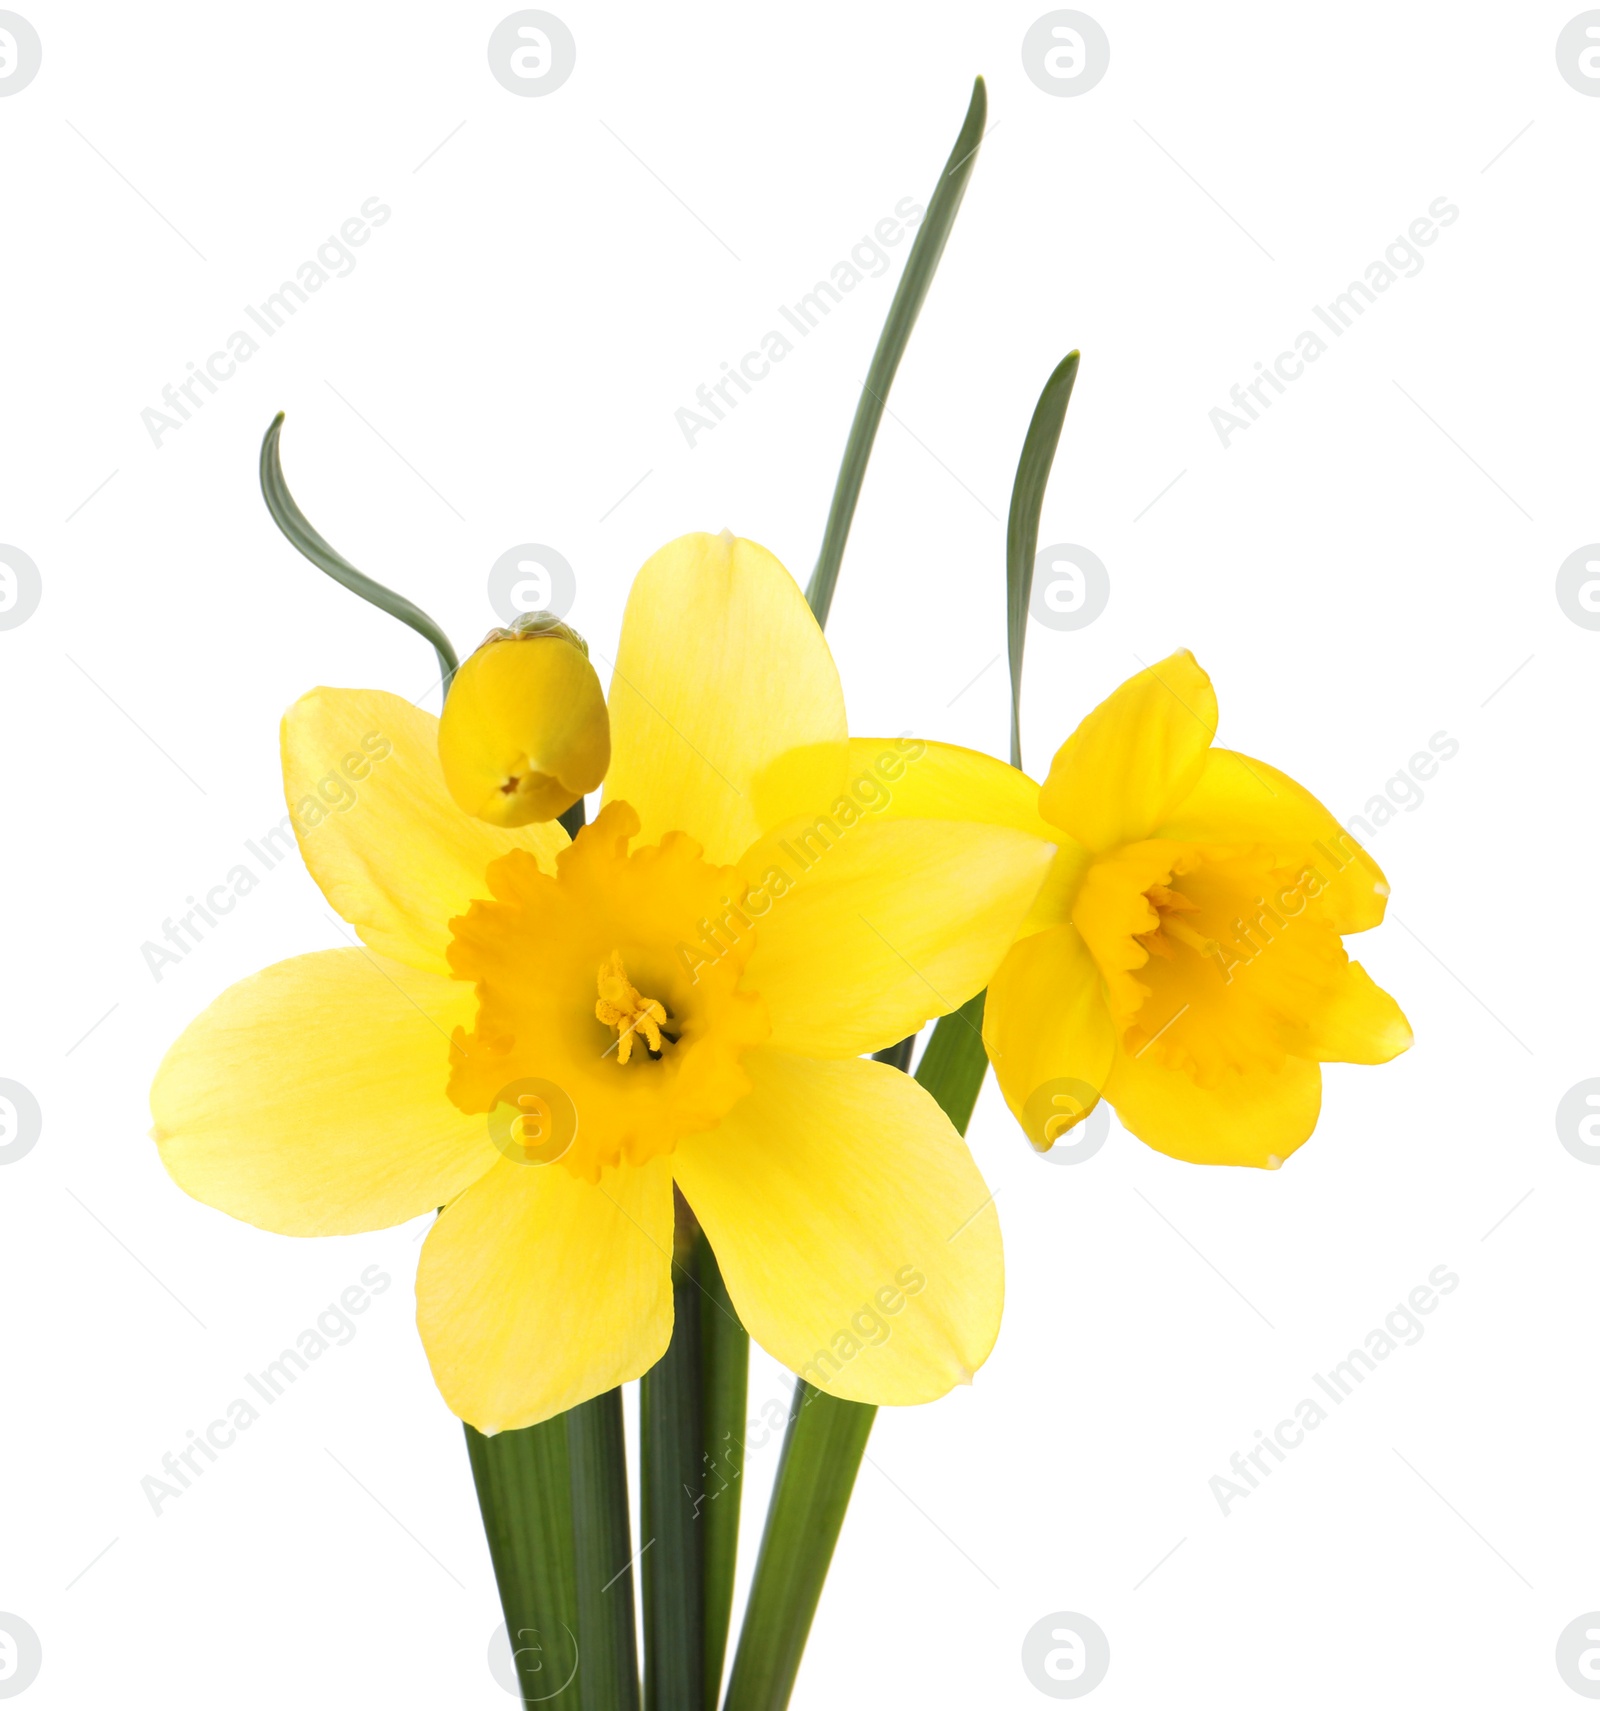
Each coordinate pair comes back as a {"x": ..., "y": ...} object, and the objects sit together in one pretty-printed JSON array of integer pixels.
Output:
[
  {"x": 1184, "y": 959},
  {"x": 543, "y": 1038},
  {"x": 524, "y": 732}
]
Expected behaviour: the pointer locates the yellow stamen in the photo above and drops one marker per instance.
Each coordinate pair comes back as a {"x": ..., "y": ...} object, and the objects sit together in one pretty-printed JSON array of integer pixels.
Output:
[
  {"x": 1169, "y": 906},
  {"x": 623, "y": 1007},
  {"x": 1186, "y": 935},
  {"x": 1166, "y": 899}
]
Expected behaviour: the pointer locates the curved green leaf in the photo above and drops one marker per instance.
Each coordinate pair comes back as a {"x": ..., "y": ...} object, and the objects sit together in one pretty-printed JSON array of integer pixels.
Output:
[
  {"x": 305, "y": 539},
  {"x": 1022, "y": 526},
  {"x": 921, "y": 264}
]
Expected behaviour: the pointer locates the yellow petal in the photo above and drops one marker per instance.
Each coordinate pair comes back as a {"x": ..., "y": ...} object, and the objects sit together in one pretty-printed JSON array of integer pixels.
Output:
[
  {"x": 390, "y": 850},
  {"x": 1360, "y": 1023},
  {"x": 904, "y": 778},
  {"x": 1135, "y": 757},
  {"x": 310, "y": 1098},
  {"x": 1240, "y": 800},
  {"x": 537, "y": 1290},
  {"x": 524, "y": 731},
  {"x": 720, "y": 673},
  {"x": 1049, "y": 1033},
  {"x": 1063, "y": 880},
  {"x": 864, "y": 932},
  {"x": 858, "y": 1241},
  {"x": 1257, "y": 1118}
]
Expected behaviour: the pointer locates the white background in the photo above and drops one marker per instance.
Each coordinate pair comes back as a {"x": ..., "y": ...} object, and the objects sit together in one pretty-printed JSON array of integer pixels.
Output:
[{"x": 1368, "y": 565}]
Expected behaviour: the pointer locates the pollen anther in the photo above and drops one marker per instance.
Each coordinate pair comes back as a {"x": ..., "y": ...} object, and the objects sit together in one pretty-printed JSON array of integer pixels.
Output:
[{"x": 623, "y": 1007}]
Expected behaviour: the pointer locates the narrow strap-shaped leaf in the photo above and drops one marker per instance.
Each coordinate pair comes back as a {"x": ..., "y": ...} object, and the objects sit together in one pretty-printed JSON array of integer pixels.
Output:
[
  {"x": 671, "y": 1497},
  {"x": 725, "y": 1368},
  {"x": 954, "y": 1062},
  {"x": 305, "y": 539},
  {"x": 1022, "y": 525},
  {"x": 828, "y": 1437},
  {"x": 921, "y": 264},
  {"x": 608, "y": 1654},
  {"x": 525, "y": 1494},
  {"x": 821, "y": 1457}
]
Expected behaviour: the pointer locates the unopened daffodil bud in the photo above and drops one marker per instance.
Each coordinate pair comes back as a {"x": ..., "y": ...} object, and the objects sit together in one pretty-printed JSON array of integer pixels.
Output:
[{"x": 525, "y": 733}]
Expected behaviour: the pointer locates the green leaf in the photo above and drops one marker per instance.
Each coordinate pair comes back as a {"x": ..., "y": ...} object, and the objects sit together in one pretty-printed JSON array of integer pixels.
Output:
[
  {"x": 608, "y": 1666},
  {"x": 828, "y": 1437},
  {"x": 954, "y": 1062},
  {"x": 821, "y": 1457},
  {"x": 921, "y": 264},
  {"x": 725, "y": 1366},
  {"x": 305, "y": 539},
  {"x": 526, "y": 1498},
  {"x": 671, "y": 1496},
  {"x": 1022, "y": 525}
]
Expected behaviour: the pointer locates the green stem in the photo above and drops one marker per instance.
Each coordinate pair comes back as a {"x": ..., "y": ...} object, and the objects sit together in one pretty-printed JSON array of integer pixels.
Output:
[
  {"x": 571, "y": 820},
  {"x": 671, "y": 1452},
  {"x": 921, "y": 265},
  {"x": 821, "y": 1457},
  {"x": 725, "y": 1368},
  {"x": 608, "y": 1668},
  {"x": 523, "y": 1491}
]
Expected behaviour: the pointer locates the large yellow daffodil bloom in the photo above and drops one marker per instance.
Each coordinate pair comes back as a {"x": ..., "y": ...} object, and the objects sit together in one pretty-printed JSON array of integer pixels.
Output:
[
  {"x": 1184, "y": 960},
  {"x": 682, "y": 996}
]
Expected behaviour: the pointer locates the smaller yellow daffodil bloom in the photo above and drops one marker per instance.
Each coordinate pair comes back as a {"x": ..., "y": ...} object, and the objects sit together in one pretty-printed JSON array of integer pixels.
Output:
[
  {"x": 1184, "y": 960},
  {"x": 524, "y": 733}
]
